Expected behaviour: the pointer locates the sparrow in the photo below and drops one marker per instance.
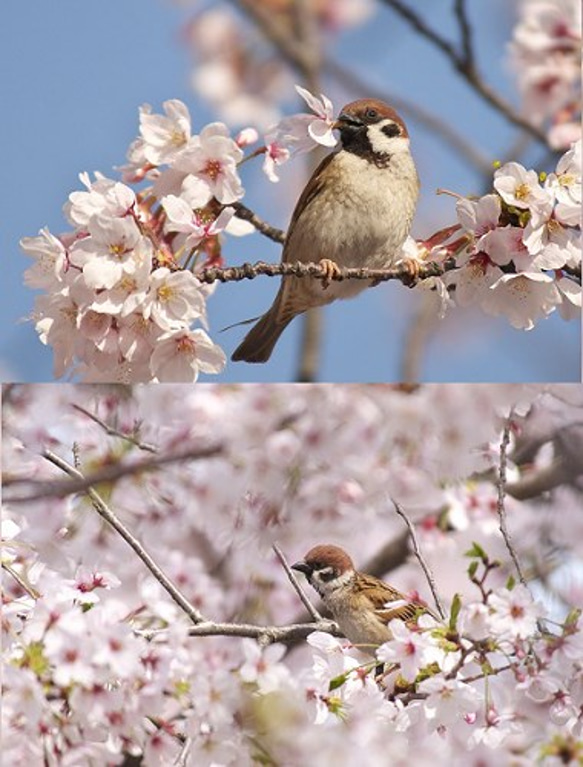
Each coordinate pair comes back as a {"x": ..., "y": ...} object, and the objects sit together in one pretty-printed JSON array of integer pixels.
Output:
[
  {"x": 361, "y": 604},
  {"x": 355, "y": 211}
]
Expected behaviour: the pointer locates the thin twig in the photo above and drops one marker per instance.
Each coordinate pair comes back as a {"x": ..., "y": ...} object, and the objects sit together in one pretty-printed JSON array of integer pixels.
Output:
[
  {"x": 300, "y": 269},
  {"x": 246, "y": 214},
  {"x": 500, "y": 506},
  {"x": 295, "y": 583},
  {"x": 107, "y": 514},
  {"x": 420, "y": 559},
  {"x": 460, "y": 11},
  {"x": 30, "y": 590},
  {"x": 62, "y": 488},
  {"x": 112, "y": 432},
  {"x": 469, "y": 73}
]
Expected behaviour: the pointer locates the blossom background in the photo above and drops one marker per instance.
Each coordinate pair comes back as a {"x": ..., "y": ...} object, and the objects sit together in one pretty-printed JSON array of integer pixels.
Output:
[
  {"x": 74, "y": 107},
  {"x": 298, "y": 466}
]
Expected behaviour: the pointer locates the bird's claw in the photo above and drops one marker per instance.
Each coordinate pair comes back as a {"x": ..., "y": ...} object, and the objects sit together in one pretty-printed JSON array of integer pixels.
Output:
[
  {"x": 412, "y": 269},
  {"x": 331, "y": 271}
]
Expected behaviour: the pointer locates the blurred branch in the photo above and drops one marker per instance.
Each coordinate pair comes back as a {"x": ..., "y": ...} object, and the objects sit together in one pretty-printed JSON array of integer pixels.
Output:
[
  {"x": 353, "y": 82},
  {"x": 300, "y": 269},
  {"x": 465, "y": 68},
  {"x": 419, "y": 329},
  {"x": 465, "y": 32},
  {"x": 275, "y": 30},
  {"x": 112, "y": 432},
  {"x": 80, "y": 483}
]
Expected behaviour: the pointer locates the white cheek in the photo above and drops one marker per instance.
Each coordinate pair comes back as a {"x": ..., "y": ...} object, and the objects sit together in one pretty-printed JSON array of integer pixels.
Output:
[{"x": 384, "y": 144}]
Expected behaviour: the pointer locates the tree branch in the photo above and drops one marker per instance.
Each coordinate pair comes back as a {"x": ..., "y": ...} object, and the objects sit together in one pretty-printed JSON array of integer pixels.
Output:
[
  {"x": 246, "y": 214},
  {"x": 112, "y": 432},
  {"x": 105, "y": 513},
  {"x": 424, "y": 565},
  {"x": 500, "y": 506},
  {"x": 460, "y": 11},
  {"x": 80, "y": 483},
  {"x": 466, "y": 69},
  {"x": 300, "y": 269}
]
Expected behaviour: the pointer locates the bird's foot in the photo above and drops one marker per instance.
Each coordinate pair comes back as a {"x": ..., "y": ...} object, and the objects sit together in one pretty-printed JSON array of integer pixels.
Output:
[
  {"x": 411, "y": 269},
  {"x": 331, "y": 271}
]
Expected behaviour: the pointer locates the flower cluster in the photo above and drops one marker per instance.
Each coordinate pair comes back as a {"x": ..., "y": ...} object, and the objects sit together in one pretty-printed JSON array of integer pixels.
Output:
[
  {"x": 520, "y": 251},
  {"x": 98, "y": 662},
  {"x": 120, "y": 292},
  {"x": 546, "y": 55}
]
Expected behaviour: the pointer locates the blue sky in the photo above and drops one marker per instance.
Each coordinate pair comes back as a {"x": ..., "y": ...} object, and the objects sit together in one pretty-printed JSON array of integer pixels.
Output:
[{"x": 75, "y": 75}]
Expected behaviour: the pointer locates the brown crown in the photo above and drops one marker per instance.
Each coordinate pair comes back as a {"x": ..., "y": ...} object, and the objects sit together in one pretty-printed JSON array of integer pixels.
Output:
[
  {"x": 358, "y": 109},
  {"x": 328, "y": 555}
]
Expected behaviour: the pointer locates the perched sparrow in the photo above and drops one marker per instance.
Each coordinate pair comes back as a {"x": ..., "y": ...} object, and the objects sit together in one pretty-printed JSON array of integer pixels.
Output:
[
  {"x": 361, "y": 604},
  {"x": 355, "y": 211}
]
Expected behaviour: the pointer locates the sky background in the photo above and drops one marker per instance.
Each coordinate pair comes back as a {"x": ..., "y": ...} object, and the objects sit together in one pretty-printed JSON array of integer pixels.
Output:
[{"x": 75, "y": 75}]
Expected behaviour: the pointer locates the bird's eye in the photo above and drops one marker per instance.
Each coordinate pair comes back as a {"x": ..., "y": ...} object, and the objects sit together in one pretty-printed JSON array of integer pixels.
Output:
[{"x": 371, "y": 113}]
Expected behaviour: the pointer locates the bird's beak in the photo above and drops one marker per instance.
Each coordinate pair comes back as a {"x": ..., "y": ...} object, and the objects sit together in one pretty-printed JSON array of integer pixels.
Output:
[
  {"x": 345, "y": 120},
  {"x": 302, "y": 567}
]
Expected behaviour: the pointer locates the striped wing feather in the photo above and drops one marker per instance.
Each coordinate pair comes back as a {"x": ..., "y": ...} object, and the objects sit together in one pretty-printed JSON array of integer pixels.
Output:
[{"x": 380, "y": 594}]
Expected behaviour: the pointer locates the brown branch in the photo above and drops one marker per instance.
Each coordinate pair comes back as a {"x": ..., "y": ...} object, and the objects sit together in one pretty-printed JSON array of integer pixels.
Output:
[
  {"x": 107, "y": 514},
  {"x": 419, "y": 330},
  {"x": 417, "y": 552},
  {"x": 62, "y": 488},
  {"x": 246, "y": 214},
  {"x": 465, "y": 69},
  {"x": 314, "y": 614},
  {"x": 460, "y": 11},
  {"x": 300, "y": 269},
  {"x": 276, "y": 31},
  {"x": 112, "y": 432},
  {"x": 500, "y": 506}
]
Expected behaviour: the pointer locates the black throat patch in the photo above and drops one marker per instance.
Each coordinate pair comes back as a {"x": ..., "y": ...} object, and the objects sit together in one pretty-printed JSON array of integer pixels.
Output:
[{"x": 357, "y": 142}]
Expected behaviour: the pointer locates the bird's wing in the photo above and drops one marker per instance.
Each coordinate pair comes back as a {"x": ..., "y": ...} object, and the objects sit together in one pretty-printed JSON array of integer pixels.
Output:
[
  {"x": 389, "y": 603},
  {"x": 311, "y": 190}
]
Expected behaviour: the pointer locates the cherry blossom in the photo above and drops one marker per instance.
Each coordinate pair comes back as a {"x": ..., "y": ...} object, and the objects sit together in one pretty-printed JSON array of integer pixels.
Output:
[{"x": 99, "y": 661}]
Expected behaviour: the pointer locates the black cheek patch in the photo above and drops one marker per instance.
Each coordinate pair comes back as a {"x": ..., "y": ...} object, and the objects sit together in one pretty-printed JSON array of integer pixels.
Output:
[
  {"x": 391, "y": 130},
  {"x": 328, "y": 574}
]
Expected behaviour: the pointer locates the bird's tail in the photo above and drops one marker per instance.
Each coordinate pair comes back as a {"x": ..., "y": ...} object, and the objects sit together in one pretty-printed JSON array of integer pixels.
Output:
[{"x": 260, "y": 340}]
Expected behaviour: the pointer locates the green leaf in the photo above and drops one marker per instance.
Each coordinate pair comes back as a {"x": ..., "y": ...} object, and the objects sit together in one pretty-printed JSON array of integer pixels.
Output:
[
  {"x": 477, "y": 551},
  {"x": 572, "y": 617},
  {"x": 337, "y": 682},
  {"x": 456, "y": 606},
  {"x": 472, "y": 568},
  {"x": 511, "y": 583}
]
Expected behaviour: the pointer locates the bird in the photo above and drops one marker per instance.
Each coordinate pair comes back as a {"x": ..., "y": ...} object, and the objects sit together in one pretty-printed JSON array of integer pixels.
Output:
[
  {"x": 356, "y": 210},
  {"x": 361, "y": 604}
]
